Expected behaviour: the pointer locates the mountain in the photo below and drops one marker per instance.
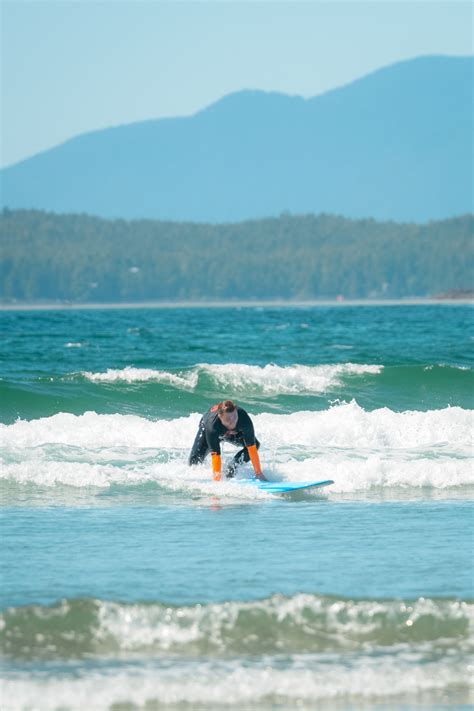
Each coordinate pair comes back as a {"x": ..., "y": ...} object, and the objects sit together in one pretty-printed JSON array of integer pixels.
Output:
[{"x": 394, "y": 145}]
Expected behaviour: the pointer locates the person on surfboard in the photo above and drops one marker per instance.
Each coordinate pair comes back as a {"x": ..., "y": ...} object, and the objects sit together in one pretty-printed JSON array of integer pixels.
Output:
[{"x": 229, "y": 423}]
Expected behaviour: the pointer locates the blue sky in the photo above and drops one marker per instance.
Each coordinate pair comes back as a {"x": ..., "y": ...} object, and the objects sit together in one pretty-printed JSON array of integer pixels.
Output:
[{"x": 70, "y": 67}]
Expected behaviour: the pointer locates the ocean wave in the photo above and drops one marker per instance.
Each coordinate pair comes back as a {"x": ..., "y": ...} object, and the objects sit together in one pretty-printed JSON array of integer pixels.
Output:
[
  {"x": 301, "y": 624},
  {"x": 359, "y": 450},
  {"x": 269, "y": 379},
  {"x": 289, "y": 652},
  {"x": 150, "y": 391}
]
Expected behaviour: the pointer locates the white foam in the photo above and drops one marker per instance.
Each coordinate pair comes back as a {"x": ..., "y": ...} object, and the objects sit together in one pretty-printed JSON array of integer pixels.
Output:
[
  {"x": 345, "y": 425},
  {"x": 292, "y": 379},
  {"x": 349, "y": 425},
  {"x": 349, "y": 476},
  {"x": 360, "y": 450},
  {"x": 300, "y": 621},
  {"x": 98, "y": 431},
  {"x": 185, "y": 381},
  {"x": 174, "y": 477},
  {"x": 352, "y": 476},
  {"x": 291, "y": 682}
]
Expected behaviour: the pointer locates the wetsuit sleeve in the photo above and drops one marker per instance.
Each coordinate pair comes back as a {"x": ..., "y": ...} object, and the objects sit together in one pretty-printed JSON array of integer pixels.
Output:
[
  {"x": 212, "y": 437},
  {"x": 255, "y": 459},
  {"x": 216, "y": 466},
  {"x": 245, "y": 425}
]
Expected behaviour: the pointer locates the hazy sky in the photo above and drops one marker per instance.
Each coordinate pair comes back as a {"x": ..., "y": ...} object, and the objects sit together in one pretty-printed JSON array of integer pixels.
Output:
[{"x": 74, "y": 66}]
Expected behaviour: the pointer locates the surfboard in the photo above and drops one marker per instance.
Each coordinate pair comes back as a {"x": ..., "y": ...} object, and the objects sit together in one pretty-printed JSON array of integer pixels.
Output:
[{"x": 282, "y": 487}]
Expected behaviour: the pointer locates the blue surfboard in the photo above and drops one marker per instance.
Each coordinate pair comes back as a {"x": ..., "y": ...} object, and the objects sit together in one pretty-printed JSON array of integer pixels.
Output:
[{"x": 282, "y": 487}]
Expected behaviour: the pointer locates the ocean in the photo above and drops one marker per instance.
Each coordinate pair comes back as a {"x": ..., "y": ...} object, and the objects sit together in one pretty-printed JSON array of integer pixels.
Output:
[{"x": 131, "y": 581}]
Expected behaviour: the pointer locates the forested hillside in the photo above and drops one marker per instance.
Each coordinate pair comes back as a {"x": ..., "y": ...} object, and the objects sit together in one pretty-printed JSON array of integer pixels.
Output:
[{"x": 79, "y": 258}]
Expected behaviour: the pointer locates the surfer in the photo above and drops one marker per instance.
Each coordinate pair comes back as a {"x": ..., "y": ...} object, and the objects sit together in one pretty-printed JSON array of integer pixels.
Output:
[{"x": 229, "y": 423}]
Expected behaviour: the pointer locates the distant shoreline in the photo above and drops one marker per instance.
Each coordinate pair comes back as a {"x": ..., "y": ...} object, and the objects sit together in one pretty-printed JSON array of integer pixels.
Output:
[{"x": 51, "y": 306}]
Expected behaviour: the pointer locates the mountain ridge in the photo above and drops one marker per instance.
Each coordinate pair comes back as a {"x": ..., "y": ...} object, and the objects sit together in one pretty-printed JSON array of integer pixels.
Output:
[{"x": 390, "y": 145}]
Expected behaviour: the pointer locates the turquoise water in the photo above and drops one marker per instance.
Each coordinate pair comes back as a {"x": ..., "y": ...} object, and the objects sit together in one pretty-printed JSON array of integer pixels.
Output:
[{"x": 130, "y": 581}]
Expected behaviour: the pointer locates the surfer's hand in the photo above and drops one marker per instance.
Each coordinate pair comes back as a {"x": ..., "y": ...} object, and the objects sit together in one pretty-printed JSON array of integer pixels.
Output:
[{"x": 261, "y": 477}]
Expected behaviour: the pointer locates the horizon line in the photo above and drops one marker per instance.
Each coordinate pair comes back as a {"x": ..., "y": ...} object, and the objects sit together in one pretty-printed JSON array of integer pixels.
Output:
[{"x": 264, "y": 303}]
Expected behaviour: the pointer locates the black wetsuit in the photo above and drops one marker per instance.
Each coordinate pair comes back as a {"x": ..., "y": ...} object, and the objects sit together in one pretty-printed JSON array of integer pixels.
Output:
[{"x": 211, "y": 432}]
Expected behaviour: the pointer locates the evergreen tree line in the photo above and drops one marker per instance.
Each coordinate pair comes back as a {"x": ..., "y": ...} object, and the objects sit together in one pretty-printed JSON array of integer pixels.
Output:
[{"x": 79, "y": 258}]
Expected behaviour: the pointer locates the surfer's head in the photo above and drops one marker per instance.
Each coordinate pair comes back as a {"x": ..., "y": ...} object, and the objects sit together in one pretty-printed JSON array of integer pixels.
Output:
[{"x": 228, "y": 414}]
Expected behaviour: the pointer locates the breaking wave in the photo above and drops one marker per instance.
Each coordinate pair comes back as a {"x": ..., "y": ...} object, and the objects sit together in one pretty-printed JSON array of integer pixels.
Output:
[
  {"x": 303, "y": 623},
  {"x": 240, "y": 378},
  {"x": 360, "y": 450},
  {"x": 184, "y": 381}
]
